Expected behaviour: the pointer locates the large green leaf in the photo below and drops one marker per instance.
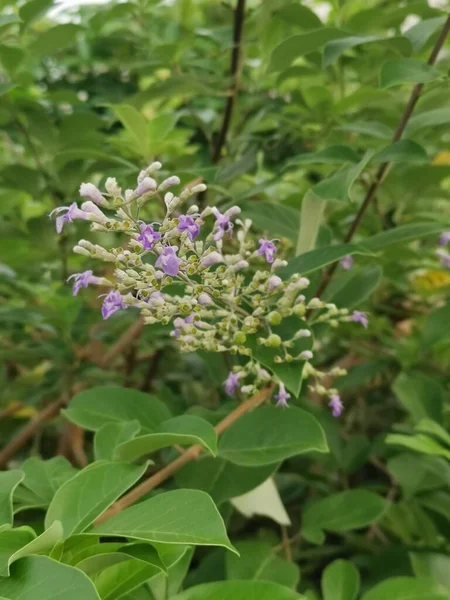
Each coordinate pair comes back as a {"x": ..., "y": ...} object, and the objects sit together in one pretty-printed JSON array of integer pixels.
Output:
[
  {"x": 222, "y": 479},
  {"x": 402, "y": 151},
  {"x": 54, "y": 39},
  {"x": 332, "y": 155},
  {"x": 91, "y": 409},
  {"x": 343, "y": 511},
  {"x": 177, "y": 517},
  {"x": 108, "y": 437},
  {"x": 258, "y": 561},
  {"x": 301, "y": 44},
  {"x": 240, "y": 590},
  {"x": 340, "y": 581},
  {"x": 86, "y": 496},
  {"x": 334, "y": 49},
  {"x": 296, "y": 14},
  {"x": 136, "y": 125},
  {"x": 269, "y": 435},
  {"x": 321, "y": 257},
  {"x": 437, "y": 326},
  {"x": 419, "y": 443},
  {"x": 311, "y": 219},
  {"x": 9, "y": 480},
  {"x": 421, "y": 396},
  {"x": 418, "y": 34},
  {"x": 407, "y": 70},
  {"x": 338, "y": 186},
  {"x": 184, "y": 430},
  {"x": 41, "y": 578},
  {"x": 33, "y": 9},
  {"x": 404, "y": 233},
  {"x": 276, "y": 219},
  {"x": 406, "y": 588},
  {"x": 430, "y": 118},
  {"x": 352, "y": 287}
]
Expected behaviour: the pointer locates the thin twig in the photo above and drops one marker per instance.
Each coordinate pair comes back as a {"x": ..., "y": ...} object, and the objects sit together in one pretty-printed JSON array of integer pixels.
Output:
[
  {"x": 286, "y": 543},
  {"x": 189, "y": 455},
  {"x": 11, "y": 409},
  {"x": 385, "y": 167}
]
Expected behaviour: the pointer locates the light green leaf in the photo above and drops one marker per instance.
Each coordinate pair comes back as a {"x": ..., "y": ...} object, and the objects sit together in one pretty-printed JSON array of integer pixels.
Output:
[
  {"x": 104, "y": 558},
  {"x": 176, "y": 517},
  {"x": 338, "y": 186},
  {"x": 301, "y": 44},
  {"x": 177, "y": 560},
  {"x": 277, "y": 219},
  {"x": 41, "y": 578},
  {"x": 343, "y": 511},
  {"x": 7, "y": 20},
  {"x": 407, "y": 70},
  {"x": 310, "y": 221},
  {"x": 43, "y": 544},
  {"x": 66, "y": 156},
  {"x": 34, "y": 9},
  {"x": 406, "y": 588},
  {"x": 259, "y": 562},
  {"x": 402, "y": 151},
  {"x": 319, "y": 258},
  {"x": 331, "y": 155},
  {"x": 181, "y": 85},
  {"x": 91, "y": 409},
  {"x": 421, "y": 396},
  {"x": 9, "y": 480},
  {"x": 404, "y": 233},
  {"x": 334, "y": 49},
  {"x": 240, "y": 590},
  {"x": 237, "y": 167},
  {"x": 431, "y": 118},
  {"x": 136, "y": 125},
  {"x": 370, "y": 128},
  {"x": 53, "y": 40},
  {"x": 86, "y": 496},
  {"x": 352, "y": 287},
  {"x": 437, "y": 326},
  {"x": 185, "y": 430},
  {"x": 296, "y": 14},
  {"x": 418, "y": 34},
  {"x": 419, "y": 443},
  {"x": 254, "y": 440},
  {"x": 108, "y": 437},
  {"x": 340, "y": 581},
  {"x": 221, "y": 479},
  {"x": 11, "y": 541}
]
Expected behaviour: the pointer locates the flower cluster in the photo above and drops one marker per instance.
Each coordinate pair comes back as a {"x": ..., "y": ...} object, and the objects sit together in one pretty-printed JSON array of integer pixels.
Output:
[{"x": 203, "y": 272}]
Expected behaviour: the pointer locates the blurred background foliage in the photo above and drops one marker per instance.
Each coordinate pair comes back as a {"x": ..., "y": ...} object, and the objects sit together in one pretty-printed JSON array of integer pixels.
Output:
[{"x": 101, "y": 90}]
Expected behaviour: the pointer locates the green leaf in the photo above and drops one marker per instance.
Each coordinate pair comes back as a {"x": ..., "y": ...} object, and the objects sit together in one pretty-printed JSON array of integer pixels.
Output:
[
  {"x": 431, "y": 118},
  {"x": 7, "y": 20},
  {"x": 53, "y": 40},
  {"x": 418, "y": 34},
  {"x": 343, "y": 511},
  {"x": 254, "y": 440},
  {"x": 108, "y": 437},
  {"x": 299, "y": 45},
  {"x": 406, "y": 588},
  {"x": 296, "y": 14},
  {"x": 41, "y": 578},
  {"x": 340, "y": 581},
  {"x": 91, "y": 409},
  {"x": 311, "y": 219},
  {"x": 73, "y": 154},
  {"x": 259, "y": 562},
  {"x": 221, "y": 479},
  {"x": 421, "y": 396},
  {"x": 433, "y": 429},
  {"x": 136, "y": 125},
  {"x": 11, "y": 541},
  {"x": 277, "y": 219},
  {"x": 319, "y": 258},
  {"x": 370, "y": 128},
  {"x": 419, "y": 443},
  {"x": 404, "y": 233},
  {"x": 34, "y": 9},
  {"x": 334, "y": 49},
  {"x": 86, "y": 496},
  {"x": 176, "y": 517},
  {"x": 177, "y": 560},
  {"x": 184, "y": 430},
  {"x": 331, "y": 155},
  {"x": 338, "y": 186},
  {"x": 240, "y": 590},
  {"x": 437, "y": 326},
  {"x": 407, "y": 70},
  {"x": 102, "y": 559},
  {"x": 9, "y": 480},
  {"x": 402, "y": 151},
  {"x": 238, "y": 167},
  {"x": 351, "y": 288}
]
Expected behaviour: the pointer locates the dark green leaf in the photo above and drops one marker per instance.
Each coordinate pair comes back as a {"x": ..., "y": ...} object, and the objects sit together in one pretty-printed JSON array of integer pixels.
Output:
[
  {"x": 406, "y": 588},
  {"x": 9, "y": 480},
  {"x": 402, "y": 151},
  {"x": 418, "y": 34},
  {"x": 340, "y": 581},
  {"x": 240, "y": 590},
  {"x": 407, "y": 70},
  {"x": 319, "y": 258},
  {"x": 421, "y": 396}
]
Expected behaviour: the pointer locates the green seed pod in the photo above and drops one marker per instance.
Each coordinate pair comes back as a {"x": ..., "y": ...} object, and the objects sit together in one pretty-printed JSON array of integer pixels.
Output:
[
  {"x": 299, "y": 310},
  {"x": 240, "y": 337},
  {"x": 274, "y": 318},
  {"x": 273, "y": 341}
]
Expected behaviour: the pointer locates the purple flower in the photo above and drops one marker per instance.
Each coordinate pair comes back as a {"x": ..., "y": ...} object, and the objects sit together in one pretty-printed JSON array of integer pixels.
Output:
[
  {"x": 231, "y": 384},
  {"x": 444, "y": 238},
  {"x": 187, "y": 223},
  {"x": 89, "y": 191},
  {"x": 148, "y": 236},
  {"x": 72, "y": 212},
  {"x": 180, "y": 324},
  {"x": 112, "y": 303},
  {"x": 346, "y": 262},
  {"x": 282, "y": 397},
  {"x": 268, "y": 250},
  {"x": 169, "y": 261},
  {"x": 444, "y": 258},
  {"x": 336, "y": 405},
  {"x": 83, "y": 280},
  {"x": 360, "y": 317}
]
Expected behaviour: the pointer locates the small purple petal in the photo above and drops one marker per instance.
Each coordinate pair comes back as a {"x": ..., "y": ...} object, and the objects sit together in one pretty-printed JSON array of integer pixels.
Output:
[
  {"x": 169, "y": 261},
  {"x": 89, "y": 191},
  {"x": 336, "y": 405},
  {"x": 81, "y": 280},
  {"x": 346, "y": 262},
  {"x": 444, "y": 238},
  {"x": 222, "y": 225},
  {"x": 112, "y": 303},
  {"x": 282, "y": 397},
  {"x": 148, "y": 236},
  {"x": 360, "y": 317},
  {"x": 444, "y": 258},
  {"x": 187, "y": 223},
  {"x": 268, "y": 250},
  {"x": 231, "y": 384}
]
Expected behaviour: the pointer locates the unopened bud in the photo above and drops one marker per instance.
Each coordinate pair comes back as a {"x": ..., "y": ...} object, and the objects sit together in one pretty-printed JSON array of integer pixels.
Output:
[
  {"x": 273, "y": 341},
  {"x": 274, "y": 318}
]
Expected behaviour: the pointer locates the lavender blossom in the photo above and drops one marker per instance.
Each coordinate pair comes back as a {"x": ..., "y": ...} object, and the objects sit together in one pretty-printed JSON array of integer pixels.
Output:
[
  {"x": 148, "y": 184},
  {"x": 148, "y": 236},
  {"x": 72, "y": 212},
  {"x": 282, "y": 397},
  {"x": 91, "y": 192},
  {"x": 169, "y": 261},
  {"x": 112, "y": 303},
  {"x": 346, "y": 262},
  {"x": 231, "y": 384},
  {"x": 444, "y": 238},
  {"x": 274, "y": 282},
  {"x": 336, "y": 405},
  {"x": 444, "y": 258},
  {"x": 213, "y": 258},
  {"x": 187, "y": 223},
  {"x": 83, "y": 280},
  {"x": 360, "y": 317},
  {"x": 268, "y": 250}
]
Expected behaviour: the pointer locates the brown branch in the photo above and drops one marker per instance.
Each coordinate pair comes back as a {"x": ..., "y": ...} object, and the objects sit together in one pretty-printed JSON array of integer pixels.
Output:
[
  {"x": 385, "y": 167},
  {"x": 11, "y": 409},
  {"x": 189, "y": 455},
  {"x": 155, "y": 359},
  {"x": 235, "y": 74},
  {"x": 286, "y": 543},
  {"x": 132, "y": 333}
]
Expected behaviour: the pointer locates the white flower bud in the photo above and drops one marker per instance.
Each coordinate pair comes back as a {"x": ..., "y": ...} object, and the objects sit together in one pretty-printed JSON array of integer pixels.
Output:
[
  {"x": 315, "y": 303},
  {"x": 192, "y": 210},
  {"x": 211, "y": 259},
  {"x": 273, "y": 282},
  {"x": 90, "y": 191},
  {"x": 302, "y": 333},
  {"x": 204, "y": 299},
  {"x": 112, "y": 187},
  {"x": 80, "y": 250},
  {"x": 86, "y": 244},
  {"x": 241, "y": 264},
  {"x": 198, "y": 189},
  {"x": 306, "y": 355},
  {"x": 277, "y": 263},
  {"x": 174, "y": 180}
]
